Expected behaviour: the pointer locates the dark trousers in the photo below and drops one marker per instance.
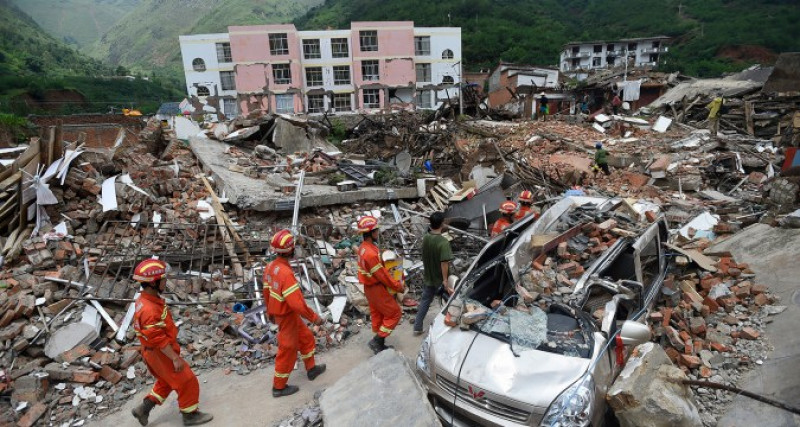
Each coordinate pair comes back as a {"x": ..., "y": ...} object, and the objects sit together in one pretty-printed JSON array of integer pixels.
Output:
[{"x": 428, "y": 293}]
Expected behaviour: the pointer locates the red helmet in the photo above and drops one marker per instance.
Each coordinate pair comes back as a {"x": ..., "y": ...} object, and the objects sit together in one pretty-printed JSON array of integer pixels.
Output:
[
  {"x": 508, "y": 207},
  {"x": 282, "y": 242},
  {"x": 526, "y": 197},
  {"x": 150, "y": 270},
  {"x": 367, "y": 223}
]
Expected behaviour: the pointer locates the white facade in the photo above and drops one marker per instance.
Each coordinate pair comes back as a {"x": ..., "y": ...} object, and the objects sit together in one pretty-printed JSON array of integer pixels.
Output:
[
  {"x": 445, "y": 59},
  {"x": 203, "y": 69},
  {"x": 578, "y": 58},
  {"x": 331, "y": 67}
]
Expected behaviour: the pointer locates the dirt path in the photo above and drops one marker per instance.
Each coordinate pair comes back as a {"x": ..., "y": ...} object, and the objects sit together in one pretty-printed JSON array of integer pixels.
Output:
[{"x": 246, "y": 400}]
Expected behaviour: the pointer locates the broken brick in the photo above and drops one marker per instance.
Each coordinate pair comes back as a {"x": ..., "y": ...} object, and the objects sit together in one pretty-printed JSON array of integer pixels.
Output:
[
  {"x": 76, "y": 353},
  {"x": 110, "y": 374},
  {"x": 84, "y": 376},
  {"x": 761, "y": 300},
  {"x": 749, "y": 334},
  {"x": 689, "y": 361},
  {"x": 32, "y": 415}
]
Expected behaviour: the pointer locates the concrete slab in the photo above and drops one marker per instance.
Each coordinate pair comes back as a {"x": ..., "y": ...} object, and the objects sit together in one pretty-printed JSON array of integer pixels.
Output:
[
  {"x": 265, "y": 195},
  {"x": 773, "y": 254},
  {"x": 382, "y": 388}
]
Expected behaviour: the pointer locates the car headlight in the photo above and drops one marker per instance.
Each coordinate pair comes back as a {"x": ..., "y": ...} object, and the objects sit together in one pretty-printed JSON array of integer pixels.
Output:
[
  {"x": 423, "y": 358},
  {"x": 573, "y": 407}
]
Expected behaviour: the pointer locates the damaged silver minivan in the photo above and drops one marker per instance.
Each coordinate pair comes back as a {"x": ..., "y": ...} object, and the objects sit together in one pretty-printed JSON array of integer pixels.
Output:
[{"x": 515, "y": 357}]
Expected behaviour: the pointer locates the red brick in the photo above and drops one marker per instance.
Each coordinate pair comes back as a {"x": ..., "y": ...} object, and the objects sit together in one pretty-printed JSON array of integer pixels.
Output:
[
  {"x": 711, "y": 304},
  {"x": 749, "y": 334},
  {"x": 761, "y": 299},
  {"x": 718, "y": 347},
  {"x": 698, "y": 325},
  {"x": 709, "y": 282},
  {"x": 32, "y": 415},
  {"x": 689, "y": 361},
  {"x": 758, "y": 289},
  {"x": 109, "y": 374},
  {"x": 76, "y": 353},
  {"x": 84, "y": 376},
  {"x": 705, "y": 372},
  {"x": 667, "y": 316},
  {"x": 673, "y": 354}
]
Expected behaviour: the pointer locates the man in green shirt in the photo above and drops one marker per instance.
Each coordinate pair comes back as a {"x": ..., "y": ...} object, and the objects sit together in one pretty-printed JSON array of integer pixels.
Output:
[
  {"x": 436, "y": 257},
  {"x": 600, "y": 159}
]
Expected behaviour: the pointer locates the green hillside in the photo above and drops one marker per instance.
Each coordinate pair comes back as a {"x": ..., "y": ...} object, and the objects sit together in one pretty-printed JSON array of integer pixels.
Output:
[
  {"x": 712, "y": 36},
  {"x": 26, "y": 50},
  {"x": 39, "y": 73},
  {"x": 76, "y": 22},
  {"x": 147, "y": 37}
]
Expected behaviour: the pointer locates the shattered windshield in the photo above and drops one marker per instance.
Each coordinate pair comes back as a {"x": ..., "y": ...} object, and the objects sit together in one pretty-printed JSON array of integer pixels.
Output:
[{"x": 558, "y": 330}]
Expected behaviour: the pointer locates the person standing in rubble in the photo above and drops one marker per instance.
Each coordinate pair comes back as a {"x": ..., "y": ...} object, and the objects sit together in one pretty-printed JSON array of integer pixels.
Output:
[
  {"x": 544, "y": 106},
  {"x": 616, "y": 102},
  {"x": 507, "y": 211},
  {"x": 158, "y": 335},
  {"x": 525, "y": 205},
  {"x": 285, "y": 307},
  {"x": 714, "y": 108},
  {"x": 600, "y": 160},
  {"x": 379, "y": 286},
  {"x": 436, "y": 257}
]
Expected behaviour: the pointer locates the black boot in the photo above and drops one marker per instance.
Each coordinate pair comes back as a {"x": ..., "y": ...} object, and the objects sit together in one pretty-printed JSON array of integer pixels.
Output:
[
  {"x": 316, "y": 371},
  {"x": 288, "y": 390},
  {"x": 196, "y": 418},
  {"x": 375, "y": 345},
  {"x": 142, "y": 412}
]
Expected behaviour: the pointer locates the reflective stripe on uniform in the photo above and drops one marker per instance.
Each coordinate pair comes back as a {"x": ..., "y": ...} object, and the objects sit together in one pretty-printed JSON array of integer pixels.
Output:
[
  {"x": 307, "y": 355},
  {"x": 371, "y": 271},
  {"x": 154, "y": 394},
  {"x": 385, "y": 329},
  {"x": 164, "y": 314},
  {"x": 189, "y": 409},
  {"x": 279, "y": 375},
  {"x": 156, "y": 325},
  {"x": 290, "y": 289},
  {"x": 275, "y": 295}
]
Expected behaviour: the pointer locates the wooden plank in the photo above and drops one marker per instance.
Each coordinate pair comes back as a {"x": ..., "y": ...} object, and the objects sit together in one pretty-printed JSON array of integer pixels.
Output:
[
  {"x": 7, "y": 183},
  {"x": 23, "y": 210},
  {"x": 748, "y": 117},
  {"x": 218, "y": 207},
  {"x": 223, "y": 229}
]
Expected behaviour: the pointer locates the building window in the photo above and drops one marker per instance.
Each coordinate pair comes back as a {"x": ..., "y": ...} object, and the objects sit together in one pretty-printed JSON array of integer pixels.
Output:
[
  {"x": 341, "y": 102},
  {"x": 656, "y": 45},
  {"x": 313, "y": 76},
  {"x": 368, "y": 40},
  {"x": 447, "y": 54},
  {"x": 341, "y": 75},
  {"x": 422, "y": 46},
  {"x": 203, "y": 91},
  {"x": 230, "y": 107},
  {"x": 224, "y": 52},
  {"x": 448, "y": 80},
  {"x": 228, "y": 80},
  {"x": 632, "y": 46},
  {"x": 598, "y": 48},
  {"x": 311, "y": 49},
  {"x": 339, "y": 48},
  {"x": 284, "y": 104},
  {"x": 610, "y": 48},
  {"x": 575, "y": 50},
  {"x": 282, "y": 74},
  {"x": 423, "y": 72},
  {"x": 372, "y": 98},
  {"x": 369, "y": 70},
  {"x": 316, "y": 103},
  {"x": 423, "y": 99},
  {"x": 278, "y": 44},
  {"x": 596, "y": 62},
  {"x": 198, "y": 64}
]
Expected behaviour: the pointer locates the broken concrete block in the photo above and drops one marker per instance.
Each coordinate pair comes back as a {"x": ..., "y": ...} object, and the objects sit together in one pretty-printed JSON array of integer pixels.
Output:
[
  {"x": 381, "y": 388},
  {"x": 649, "y": 392},
  {"x": 68, "y": 337},
  {"x": 30, "y": 388}
]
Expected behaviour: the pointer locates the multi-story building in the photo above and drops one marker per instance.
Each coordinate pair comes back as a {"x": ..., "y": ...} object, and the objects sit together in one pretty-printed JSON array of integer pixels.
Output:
[
  {"x": 277, "y": 68},
  {"x": 578, "y": 58}
]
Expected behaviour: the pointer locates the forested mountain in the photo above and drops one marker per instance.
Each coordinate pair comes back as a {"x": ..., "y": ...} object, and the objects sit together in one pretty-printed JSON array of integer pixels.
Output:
[{"x": 711, "y": 36}]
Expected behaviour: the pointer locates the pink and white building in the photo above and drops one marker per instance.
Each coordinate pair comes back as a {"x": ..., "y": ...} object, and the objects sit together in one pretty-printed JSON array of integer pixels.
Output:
[{"x": 371, "y": 66}]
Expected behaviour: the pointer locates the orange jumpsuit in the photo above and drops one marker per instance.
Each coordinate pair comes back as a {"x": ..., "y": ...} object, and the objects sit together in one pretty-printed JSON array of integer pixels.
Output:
[
  {"x": 524, "y": 210},
  {"x": 285, "y": 305},
  {"x": 156, "y": 329},
  {"x": 500, "y": 225},
  {"x": 383, "y": 308}
]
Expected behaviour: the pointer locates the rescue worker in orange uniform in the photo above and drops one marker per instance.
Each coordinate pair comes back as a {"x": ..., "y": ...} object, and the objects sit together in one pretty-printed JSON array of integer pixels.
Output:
[
  {"x": 525, "y": 205},
  {"x": 160, "y": 350},
  {"x": 285, "y": 307},
  {"x": 507, "y": 209},
  {"x": 379, "y": 286}
]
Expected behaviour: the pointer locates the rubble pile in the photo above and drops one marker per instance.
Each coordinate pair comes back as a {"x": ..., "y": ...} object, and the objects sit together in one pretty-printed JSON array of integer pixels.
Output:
[{"x": 711, "y": 324}]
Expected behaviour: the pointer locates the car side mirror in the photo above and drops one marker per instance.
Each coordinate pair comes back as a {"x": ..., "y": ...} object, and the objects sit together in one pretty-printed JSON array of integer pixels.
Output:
[{"x": 634, "y": 333}]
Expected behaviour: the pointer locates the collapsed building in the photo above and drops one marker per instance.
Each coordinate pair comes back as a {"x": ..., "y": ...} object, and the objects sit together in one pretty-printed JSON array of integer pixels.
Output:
[{"x": 77, "y": 218}]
